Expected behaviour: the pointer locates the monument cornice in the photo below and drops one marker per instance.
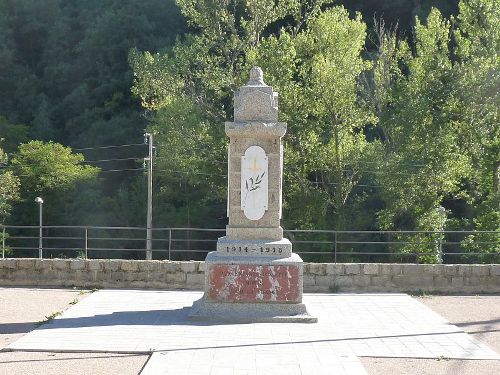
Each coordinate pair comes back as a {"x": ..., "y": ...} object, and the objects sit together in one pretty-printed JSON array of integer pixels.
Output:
[{"x": 255, "y": 129}]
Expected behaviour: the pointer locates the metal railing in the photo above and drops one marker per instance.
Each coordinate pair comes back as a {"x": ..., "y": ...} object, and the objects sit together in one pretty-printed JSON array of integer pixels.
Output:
[{"x": 194, "y": 243}]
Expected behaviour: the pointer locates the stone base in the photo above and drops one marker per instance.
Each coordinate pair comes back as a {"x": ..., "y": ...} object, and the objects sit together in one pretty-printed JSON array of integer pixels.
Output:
[
  {"x": 250, "y": 312},
  {"x": 252, "y": 288},
  {"x": 253, "y": 279}
]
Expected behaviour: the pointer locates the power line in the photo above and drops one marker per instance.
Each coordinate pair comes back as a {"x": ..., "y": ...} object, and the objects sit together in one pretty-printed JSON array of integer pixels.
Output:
[
  {"x": 383, "y": 162},
  {"x": 194, "y": 173},
  {"x": 189, "y": 148},
  {"x": 104, "y": 171},
  {"x": 223, "y": 175},
  {"x": 11, "y": 167},
  {"x": 205, "y": 160},
  {"x": 336, "y": 183},
  {"x": 121, "y": 170},
  {"x": 378, "y": 171},
  {"x": 344, "y": 170},
  {"x": 216, "y": 162},
  {"x": 108, "y": 147},
  {"x": 107, "y": 160},
  {"x": 200, "y": 149},
  {"x": 396, "y": 173},
  {"x": 93, "y": 148}
]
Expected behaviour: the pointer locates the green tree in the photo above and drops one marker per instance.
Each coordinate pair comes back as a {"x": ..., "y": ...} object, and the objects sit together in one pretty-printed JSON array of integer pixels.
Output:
[
  {"x": 12, "y": 134},
  {"x": 52, "y": 171},
  {"x": 9, "y": 193},
  {"x": 66, "y": 78},
  {"x": 317, "y": 75},
  {"x": 439, "y": 128},
  {"x": 190, "y": 90},
  {"x": 9, "y": 188},
  {"x": 478, "y": 78},
  {"x": 424, "y": 160},
  {"x": 44, "y": 167}
]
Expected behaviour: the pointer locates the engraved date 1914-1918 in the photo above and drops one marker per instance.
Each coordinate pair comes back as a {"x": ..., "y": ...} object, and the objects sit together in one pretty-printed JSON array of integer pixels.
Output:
[{"x": 245, "y": 249}]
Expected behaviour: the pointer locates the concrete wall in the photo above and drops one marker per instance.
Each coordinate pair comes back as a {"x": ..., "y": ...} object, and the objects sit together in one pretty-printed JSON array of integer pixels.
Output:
[{"x": 318, "y": 277}]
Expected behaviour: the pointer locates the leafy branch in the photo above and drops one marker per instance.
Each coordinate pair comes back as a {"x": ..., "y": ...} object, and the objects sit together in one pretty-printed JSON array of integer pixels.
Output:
[{"x": 254, "y": 183}]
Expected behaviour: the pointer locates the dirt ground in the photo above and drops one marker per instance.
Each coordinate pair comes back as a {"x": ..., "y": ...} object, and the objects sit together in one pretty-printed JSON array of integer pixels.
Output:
[
  {"x": 20, "y": 311},
  {"x": 22, "y": 308},
  {"x": 477, "y": 315}
]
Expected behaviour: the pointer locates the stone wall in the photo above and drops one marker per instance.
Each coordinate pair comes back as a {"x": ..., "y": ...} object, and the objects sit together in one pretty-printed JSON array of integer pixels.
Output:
[
  {"x": 383, "y": 277},
  {"x": 318, "y": 277}
]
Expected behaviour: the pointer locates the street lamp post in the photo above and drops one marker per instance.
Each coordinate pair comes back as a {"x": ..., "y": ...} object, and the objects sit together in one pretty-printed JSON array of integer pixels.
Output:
[
  {"x": 442, "y": 216},
  {"x": 39, "y": 200}
]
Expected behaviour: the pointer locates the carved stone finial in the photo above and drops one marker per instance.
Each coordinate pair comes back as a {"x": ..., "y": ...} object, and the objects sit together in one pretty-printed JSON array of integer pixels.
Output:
[
  {"x": 256, "y": 101},
  {"x": 256, "y": 75}
]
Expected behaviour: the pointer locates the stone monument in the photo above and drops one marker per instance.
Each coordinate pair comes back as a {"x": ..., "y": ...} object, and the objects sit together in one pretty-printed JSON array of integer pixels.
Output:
[{"x": 254, "y": 276}]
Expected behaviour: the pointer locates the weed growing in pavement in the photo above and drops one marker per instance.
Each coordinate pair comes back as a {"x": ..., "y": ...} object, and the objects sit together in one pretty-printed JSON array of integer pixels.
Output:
[
  {"x": 334, "y": 288},
  {"x": 442, "y": 358},
  {"x": 90, "y": 291},
  {"x": 420, "y": 293},
  {"x": 74, "y": 302},
  {"x": 49, "y": 318}
]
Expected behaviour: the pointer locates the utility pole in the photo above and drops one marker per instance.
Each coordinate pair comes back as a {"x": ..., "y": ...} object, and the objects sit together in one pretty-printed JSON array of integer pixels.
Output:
[{"x": 148, "y": 138}]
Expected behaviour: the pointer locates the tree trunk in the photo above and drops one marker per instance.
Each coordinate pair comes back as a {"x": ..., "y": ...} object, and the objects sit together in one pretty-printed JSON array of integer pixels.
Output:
[
  {"x": 496, "y": 178},
  {"x": 339, "y": 182}
]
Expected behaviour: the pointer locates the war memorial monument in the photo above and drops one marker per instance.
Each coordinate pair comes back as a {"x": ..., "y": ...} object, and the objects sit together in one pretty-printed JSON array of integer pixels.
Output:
[{"x": 254, "y": 276}]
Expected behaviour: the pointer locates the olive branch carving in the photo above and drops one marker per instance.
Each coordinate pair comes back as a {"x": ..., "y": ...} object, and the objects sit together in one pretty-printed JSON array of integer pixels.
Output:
[{"x": 252, "y": 184}]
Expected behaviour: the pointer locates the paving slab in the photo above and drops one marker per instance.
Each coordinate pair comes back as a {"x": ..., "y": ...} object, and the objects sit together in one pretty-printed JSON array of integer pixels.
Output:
[
  {"x": 292, "y": 359},
  {"x": 349, "y": 325},
  {"x": 49, "y": 363}
]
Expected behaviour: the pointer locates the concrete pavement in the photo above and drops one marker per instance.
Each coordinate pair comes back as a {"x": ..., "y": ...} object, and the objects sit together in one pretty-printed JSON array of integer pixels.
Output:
[{"x": 368, "y": 321}]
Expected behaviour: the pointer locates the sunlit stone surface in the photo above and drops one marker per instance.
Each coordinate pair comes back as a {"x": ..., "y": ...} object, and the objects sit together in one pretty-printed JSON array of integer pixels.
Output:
[{"x": 254, "y": 276}]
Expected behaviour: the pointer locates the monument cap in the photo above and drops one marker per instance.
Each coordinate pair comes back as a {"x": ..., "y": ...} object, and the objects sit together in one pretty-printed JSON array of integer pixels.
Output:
[
  {"x": 256, "y": 76},
  {"x": 256, "y": 101}
]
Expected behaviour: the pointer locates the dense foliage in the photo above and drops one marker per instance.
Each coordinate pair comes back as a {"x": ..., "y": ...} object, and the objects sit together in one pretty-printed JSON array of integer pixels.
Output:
[
  {"x": 65, "y": 78},
  {"x": 392, "y": 110}
]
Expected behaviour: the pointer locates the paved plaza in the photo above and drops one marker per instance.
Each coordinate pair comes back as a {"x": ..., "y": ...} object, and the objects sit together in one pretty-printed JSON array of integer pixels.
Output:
[{"x": 350, "y": 326}]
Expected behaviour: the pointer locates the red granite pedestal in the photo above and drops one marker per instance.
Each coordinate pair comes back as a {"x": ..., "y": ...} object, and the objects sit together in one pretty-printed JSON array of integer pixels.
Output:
[
  {"x": 252, "y": 289},
  {"x": 253, "y": 283}
]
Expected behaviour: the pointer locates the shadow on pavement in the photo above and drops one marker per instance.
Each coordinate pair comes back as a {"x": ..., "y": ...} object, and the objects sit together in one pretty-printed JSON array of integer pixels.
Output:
[
  {"x": 131, "y": 318},
  {"x": 10, "y": 328},
  {"x": 93, "y": 357},
  {"x": 479, "y": 322},
  {"x": 481, "y": 326}
]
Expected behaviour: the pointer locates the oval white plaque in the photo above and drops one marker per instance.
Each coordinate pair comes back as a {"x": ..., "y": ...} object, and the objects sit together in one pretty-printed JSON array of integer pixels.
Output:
[{"x": 254, "y": 182}]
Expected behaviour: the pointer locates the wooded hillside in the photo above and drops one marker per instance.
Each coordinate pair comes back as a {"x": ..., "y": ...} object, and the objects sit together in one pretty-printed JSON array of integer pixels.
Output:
[{"x": 392, "y": 107}]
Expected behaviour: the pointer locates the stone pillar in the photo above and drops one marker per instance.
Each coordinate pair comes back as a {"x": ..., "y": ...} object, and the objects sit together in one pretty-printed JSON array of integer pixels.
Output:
[{"x": 254, "y": 276}]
